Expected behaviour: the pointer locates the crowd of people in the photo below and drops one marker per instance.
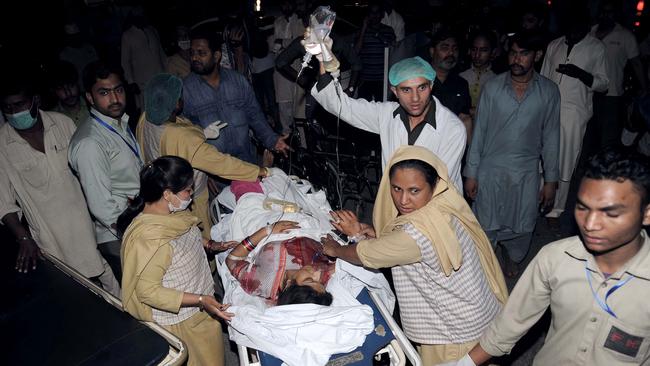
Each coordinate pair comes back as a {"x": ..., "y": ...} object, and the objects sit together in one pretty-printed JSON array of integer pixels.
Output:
[{"x": 110, "y": 161}]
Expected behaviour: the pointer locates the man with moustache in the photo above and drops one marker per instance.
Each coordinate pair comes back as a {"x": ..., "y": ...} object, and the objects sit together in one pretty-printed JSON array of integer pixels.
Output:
[
  {"x": 417, "y": 119},
  {"x": 595, "y": 284},
  {"x": 64, "y": 83},
  {"x": 576, "y": 62},
  {"x": 517, "y": 123},
  {"x": 451, "y": 89},
  {"x": 213, "y": 94},
  {"x": 106, "y": 157}
]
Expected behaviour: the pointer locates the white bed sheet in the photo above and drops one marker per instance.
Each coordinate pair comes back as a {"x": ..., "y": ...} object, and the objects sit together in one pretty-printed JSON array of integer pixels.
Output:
[{"x": 304, "y": 334}]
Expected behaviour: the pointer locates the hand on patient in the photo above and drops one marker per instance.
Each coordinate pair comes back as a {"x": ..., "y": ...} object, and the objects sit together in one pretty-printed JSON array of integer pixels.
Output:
[
  {"x": 213, "y": 307},
  {"x": 346, "y": 222},
  {"x": 330, "y": 246},
  {"x": 212, "y": 246}
]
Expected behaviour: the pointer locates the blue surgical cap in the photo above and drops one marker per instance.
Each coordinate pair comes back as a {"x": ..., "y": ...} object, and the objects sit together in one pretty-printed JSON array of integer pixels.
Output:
[
  {"x": 410, "y": 68},
  {"x": 161, "y": 94}
]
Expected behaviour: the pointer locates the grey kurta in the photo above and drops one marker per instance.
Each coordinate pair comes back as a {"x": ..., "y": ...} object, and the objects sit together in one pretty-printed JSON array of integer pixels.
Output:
[{"x": 510, "y": 137}]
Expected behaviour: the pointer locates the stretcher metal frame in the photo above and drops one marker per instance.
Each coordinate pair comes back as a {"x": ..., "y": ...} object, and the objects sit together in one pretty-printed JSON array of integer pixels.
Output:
[{"x": 177, "y": 351}]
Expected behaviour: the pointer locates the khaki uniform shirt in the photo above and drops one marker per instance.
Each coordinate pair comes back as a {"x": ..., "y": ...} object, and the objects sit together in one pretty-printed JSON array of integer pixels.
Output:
[
  {"x": 42, "y": 187},
  {"x": 581, "y": 332}
]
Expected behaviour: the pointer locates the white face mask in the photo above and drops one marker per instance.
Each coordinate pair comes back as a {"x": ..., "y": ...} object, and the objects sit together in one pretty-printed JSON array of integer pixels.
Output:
[
  {"x": 182, "y": 207},
  {"x": 184, "y": 45}
]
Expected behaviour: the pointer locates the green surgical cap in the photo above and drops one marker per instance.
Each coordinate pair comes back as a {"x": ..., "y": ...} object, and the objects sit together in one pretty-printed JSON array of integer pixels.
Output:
[
  {"x": 161, "y": 94},
  {"x": 410, "y": 68}
]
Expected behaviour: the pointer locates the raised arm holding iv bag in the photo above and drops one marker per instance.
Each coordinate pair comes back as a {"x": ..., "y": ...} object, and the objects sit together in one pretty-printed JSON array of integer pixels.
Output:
[{"x": 317, "y": 41}]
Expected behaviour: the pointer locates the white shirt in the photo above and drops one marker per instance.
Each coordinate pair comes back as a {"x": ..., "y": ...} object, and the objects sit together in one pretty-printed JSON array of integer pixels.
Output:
[
  {"x": 620, "y": 46},
  {"x": 108, "y": 169},
  {"x": 42, "y": 187},
  {"x": 447, "y": 140},
  {"x": 395, "y": 21},
  {"x": 589, "y": 55}
]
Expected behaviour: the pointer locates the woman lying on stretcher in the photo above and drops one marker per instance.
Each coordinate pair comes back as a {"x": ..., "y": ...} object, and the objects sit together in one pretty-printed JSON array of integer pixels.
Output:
[{"x": 292, "y": 271}]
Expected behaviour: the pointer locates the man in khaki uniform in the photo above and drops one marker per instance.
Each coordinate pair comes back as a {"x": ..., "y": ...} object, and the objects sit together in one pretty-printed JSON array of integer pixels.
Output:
[
  {"x": 596, "y": 284},
  {"x": 161, "y": 132}
]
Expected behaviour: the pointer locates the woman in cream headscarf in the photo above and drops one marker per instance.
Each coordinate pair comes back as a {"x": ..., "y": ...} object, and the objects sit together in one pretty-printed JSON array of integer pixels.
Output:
[{"x": 448, "y": 282}]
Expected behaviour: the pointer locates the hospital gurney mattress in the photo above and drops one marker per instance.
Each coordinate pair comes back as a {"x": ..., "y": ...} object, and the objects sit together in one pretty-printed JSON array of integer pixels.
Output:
[{"x": 386, "y": 338}]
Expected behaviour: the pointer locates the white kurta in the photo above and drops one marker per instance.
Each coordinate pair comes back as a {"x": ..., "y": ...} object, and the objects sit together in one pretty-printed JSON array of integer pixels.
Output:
[
  {"x": 621, "y": 46},
  {"x": 43, "y": 188},
  {"x": 576, "y": 98},
  {"x": 446, "y": 140},
  {"x": 395, "y": 21}
]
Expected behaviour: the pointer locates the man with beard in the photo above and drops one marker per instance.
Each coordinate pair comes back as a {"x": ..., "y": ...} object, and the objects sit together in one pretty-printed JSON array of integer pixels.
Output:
[
  {"x": 595, "y": 284},
  {"x": 104, "y": 153},
  {"x": 517, "y": 122},
  {"x": 449, "y": 87},
  {"x": 213, "y": 94},
  {"x": 418, "y": 119},
  {"x": 576, "y": 62},
  {"x": 64, "y": 83}
]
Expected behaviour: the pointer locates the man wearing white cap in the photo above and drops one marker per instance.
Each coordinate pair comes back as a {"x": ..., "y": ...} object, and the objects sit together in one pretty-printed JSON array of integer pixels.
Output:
[{"x": 418, "y": 119}]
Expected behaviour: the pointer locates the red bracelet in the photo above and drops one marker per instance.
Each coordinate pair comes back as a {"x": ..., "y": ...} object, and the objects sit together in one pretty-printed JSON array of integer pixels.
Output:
[{"x": 248, "y": 244}]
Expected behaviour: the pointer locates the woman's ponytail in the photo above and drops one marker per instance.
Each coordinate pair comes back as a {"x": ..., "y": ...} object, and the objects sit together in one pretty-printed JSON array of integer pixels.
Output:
[
  {"x": 136, "y": 205},
  {"x": 166, "y": 172}
]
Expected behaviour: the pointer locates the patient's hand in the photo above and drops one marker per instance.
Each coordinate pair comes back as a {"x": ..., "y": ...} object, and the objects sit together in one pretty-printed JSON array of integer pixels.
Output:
[{"x": 346, "y": 222}]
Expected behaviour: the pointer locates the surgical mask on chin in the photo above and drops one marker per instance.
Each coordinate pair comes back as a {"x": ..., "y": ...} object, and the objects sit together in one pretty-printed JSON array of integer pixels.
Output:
[
  {"x": 184, "y": 205},
  {"x": 184, "y": 45},
  {"x": 21, "y": 120}
]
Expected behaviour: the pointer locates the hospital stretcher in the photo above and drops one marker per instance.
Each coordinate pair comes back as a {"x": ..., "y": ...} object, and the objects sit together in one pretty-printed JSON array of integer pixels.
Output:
[{"x": 386, "y": 342}]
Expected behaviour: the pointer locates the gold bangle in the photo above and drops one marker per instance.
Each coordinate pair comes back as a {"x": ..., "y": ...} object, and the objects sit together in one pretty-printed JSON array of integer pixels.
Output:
[{"x": 201, "y": 302}]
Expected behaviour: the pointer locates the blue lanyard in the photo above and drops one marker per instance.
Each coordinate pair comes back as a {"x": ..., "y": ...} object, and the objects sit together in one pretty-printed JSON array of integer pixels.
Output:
[
  {"x": 603, "y": 304},
  {"x": 110, "y": 128}
]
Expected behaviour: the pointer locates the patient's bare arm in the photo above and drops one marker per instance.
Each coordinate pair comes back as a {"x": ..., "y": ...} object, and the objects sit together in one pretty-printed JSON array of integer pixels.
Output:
[{"x": 247, "y": 245}]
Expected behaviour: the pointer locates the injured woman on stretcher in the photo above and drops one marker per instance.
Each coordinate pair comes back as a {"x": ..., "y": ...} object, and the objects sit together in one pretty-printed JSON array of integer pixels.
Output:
[
  {"x": 292, "y": 271},
  {"x": 277, "y": 259}
]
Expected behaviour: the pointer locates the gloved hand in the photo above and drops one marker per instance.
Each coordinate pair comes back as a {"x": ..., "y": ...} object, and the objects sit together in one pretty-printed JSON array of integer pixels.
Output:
[
  {"x": 212, "y": 131},
  {"x": 465, "y": 361},
  {"x": 313, "y": 46}
]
